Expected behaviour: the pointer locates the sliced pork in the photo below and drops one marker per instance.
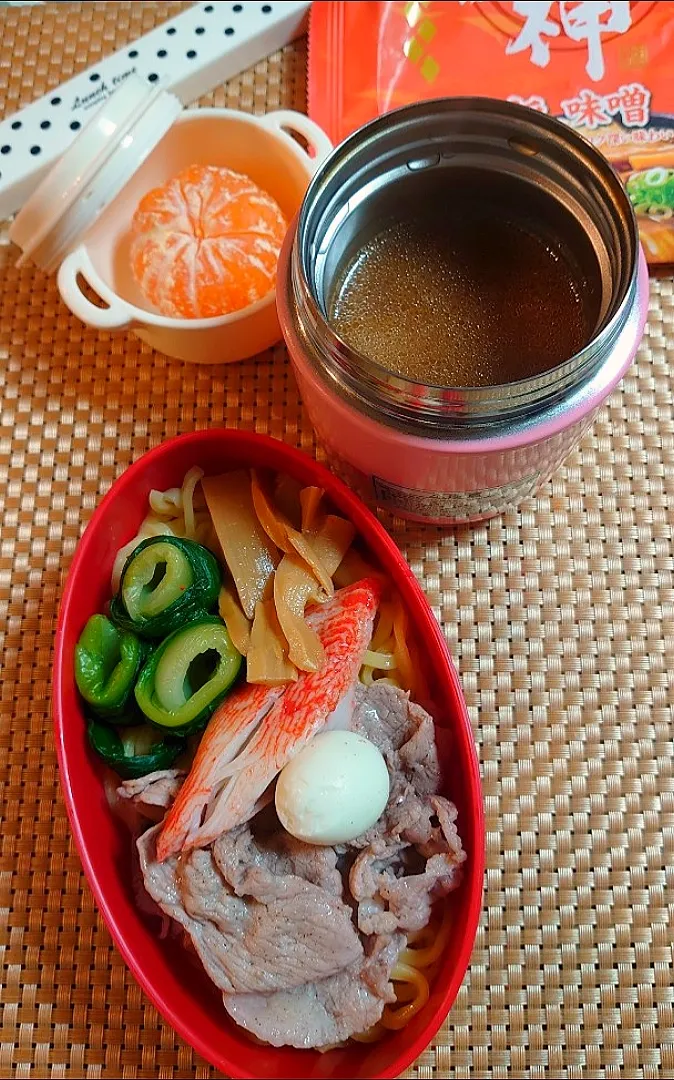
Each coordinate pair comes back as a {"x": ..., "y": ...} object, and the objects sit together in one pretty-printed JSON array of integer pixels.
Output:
[
  {"x": 283, "y": 933},
  {"x": 321, "y": 1013},
  {"x": 303, "y": 939},
  {"x": 153, "y": 793},
  {"x": 252, "y": 867},
  {"x": 405, "y": 734}
]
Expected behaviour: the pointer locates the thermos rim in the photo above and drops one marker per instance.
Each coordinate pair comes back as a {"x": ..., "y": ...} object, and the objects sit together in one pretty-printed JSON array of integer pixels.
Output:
[{"x": 533, "y": 146}]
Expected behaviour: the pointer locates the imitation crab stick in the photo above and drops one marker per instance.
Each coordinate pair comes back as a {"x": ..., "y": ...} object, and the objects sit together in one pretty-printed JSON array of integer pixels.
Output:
[{"x": 259, "y": 728}]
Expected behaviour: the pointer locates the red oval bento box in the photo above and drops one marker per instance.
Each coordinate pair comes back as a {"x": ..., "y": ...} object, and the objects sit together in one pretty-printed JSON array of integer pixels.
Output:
[{"x": 184, "y": 995}]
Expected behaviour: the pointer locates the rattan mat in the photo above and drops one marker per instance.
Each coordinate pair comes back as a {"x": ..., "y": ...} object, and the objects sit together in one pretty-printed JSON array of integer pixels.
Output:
[{"x": 560, "y": 615}]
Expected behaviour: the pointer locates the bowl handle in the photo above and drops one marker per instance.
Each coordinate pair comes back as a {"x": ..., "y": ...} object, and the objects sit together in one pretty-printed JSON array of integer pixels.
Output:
[
  {"x": 116, "y": 316},
  {"x": 285, "y": 121}
]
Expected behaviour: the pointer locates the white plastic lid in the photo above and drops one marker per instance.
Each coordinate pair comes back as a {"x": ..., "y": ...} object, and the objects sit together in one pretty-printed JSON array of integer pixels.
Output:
[{"x": 94, "y": 169}]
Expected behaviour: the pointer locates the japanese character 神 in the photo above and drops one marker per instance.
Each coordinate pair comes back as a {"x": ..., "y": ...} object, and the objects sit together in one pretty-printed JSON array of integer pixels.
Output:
[
  {"x": 588, "y": 20},
  {"x": 582, "y": 20},
  {"x": 536, "y": 25}
]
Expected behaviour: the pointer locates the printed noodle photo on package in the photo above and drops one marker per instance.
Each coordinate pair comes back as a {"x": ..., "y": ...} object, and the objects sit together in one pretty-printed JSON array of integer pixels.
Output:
[{"x": 606, "y": 69}]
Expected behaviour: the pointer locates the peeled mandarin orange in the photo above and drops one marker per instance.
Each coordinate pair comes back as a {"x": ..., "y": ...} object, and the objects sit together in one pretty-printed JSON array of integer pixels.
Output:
[{"x": 206, "y": 243}]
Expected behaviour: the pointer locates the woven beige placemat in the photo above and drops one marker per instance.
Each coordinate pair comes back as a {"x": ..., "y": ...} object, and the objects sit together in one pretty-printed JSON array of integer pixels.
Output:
[{"x": 560, "y": 615}]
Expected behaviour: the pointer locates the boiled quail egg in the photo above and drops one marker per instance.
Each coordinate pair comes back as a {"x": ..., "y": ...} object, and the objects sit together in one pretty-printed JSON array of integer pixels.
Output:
[{"x": 334, "y": 789}]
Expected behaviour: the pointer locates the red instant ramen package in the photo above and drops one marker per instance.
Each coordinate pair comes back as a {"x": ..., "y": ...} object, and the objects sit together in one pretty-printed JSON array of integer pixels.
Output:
[{"x": 607, "y": 69}]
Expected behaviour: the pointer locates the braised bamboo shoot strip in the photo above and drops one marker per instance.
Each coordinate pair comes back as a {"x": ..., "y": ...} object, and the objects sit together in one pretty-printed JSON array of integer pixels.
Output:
[
  {"x": 304, "y": 544},
  {"x": 267, "y": 661},
  {"x": 287, "y": 498},
  {"x": 248, "y": 551},
  {"x": 310, "y": 502},
  {"x": 353, "y": 567},
  {"x": 324, "y": 547},
  {"x": 234, "y": 619},
  {"x": 273, "y": 521},
  {"x": 283, "y": 534},
  {"x": 295, "y": 585}
]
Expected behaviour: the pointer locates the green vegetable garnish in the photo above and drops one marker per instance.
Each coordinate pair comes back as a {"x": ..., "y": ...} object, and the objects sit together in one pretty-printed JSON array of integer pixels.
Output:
[
  {"x": 651, "y": 189},
  {"x": 166, "y": 582},
  {"x": 188, "y": 675},
  {"x": 137, "y": 753},
  {"x": 107, "y": 661}
]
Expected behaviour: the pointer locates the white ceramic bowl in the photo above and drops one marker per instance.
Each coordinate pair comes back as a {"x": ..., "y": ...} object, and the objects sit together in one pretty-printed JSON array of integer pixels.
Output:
[{"x": 262, "y": 147}]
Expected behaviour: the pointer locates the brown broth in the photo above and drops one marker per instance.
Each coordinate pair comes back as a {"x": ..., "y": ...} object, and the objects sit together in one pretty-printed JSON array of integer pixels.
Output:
[{"x": 476, "y": 297}]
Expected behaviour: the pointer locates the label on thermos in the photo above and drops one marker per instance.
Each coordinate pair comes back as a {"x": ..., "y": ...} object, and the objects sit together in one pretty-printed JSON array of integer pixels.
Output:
[{"x": 452, "y": 505}]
